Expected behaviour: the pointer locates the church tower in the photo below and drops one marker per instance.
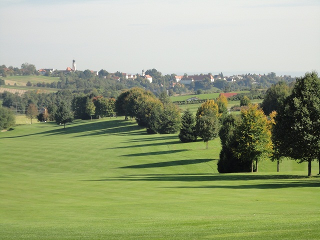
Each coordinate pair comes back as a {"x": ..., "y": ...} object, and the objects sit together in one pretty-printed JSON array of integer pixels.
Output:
[{"x": 74, "y": 68}]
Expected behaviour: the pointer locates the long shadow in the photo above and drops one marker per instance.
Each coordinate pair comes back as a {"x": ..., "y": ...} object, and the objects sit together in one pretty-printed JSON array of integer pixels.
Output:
[
  {"x": 148, "y": 144},
  {"x": 276, "y": 185},
  {"x": 209, "y": 177},
  {"x": 154, "y": 153},
  {"x": 154, "y": 137},
  {"x": 102, "y": 127},
  {"x": 169, "y": 163}
]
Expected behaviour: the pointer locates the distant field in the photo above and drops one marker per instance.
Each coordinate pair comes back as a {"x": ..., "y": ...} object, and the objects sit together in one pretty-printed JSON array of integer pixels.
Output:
[
  {"x": 23, "y": 89},
  {"x": 108, "y": 179},
  {"x": 22, "y": 119},
  {"x": 194, "y": 107},
  {"x": 22, "y": 80},
  {"x": 200, "y": 96}
]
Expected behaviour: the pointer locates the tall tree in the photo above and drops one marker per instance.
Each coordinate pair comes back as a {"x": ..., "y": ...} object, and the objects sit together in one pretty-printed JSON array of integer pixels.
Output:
[
  {"x": 188, "y": 127},
  {"x": 275, "y": 96},
  {"x": 228, "y": 161},
  {"x": 90, "y": 107},
  {"x": 32, "y": 111},
  {"x": 222, "y": 103},
  {"x": 296, "y": 133},
  {"x": 253, "y": 136},
  {"x": 207, "y": 121},
  {"x": 63, "y": 114}
]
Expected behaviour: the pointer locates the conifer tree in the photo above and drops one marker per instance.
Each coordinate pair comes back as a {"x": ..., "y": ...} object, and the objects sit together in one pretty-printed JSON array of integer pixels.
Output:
[{"x": 187, "y": 130}]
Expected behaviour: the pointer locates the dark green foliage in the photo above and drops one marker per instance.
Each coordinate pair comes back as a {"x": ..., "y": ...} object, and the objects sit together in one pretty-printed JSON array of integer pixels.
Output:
[
  {"x": 296, "y": 133},
  {"x": 188, "y": 129},
  {"x": 2, "y": 82},
  {"x": 90, "y": 107},
  {"x": 104, "y": 107},
  {"x": 64, "y": 114},
  {"x": 7, "y": 118},
  {"x": 169, "y": 119},
  {"x": 79, "y": 104},
  {"x": 207, "y": 125},
  {"x": 228, "y": 162},
  {"x": 274, "y": 97}
]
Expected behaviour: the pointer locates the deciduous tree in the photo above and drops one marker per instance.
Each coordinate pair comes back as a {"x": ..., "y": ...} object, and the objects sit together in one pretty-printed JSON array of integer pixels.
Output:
[
  {"x": 275, "y": 95},
  {"x": 253, "y": 136},
  {"x": 32, "y": 111},
  {"x": 297, "y": 125},
  {"x": 207, "y": 121}
]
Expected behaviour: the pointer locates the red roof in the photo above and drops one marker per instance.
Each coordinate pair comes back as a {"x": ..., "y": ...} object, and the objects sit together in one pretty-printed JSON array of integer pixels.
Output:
[{"x": 227, "y": 95}]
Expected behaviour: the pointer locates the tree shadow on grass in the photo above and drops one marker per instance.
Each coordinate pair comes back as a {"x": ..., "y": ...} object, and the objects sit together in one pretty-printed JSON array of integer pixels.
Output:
[
  {"x": 274, "y": 185},
  {"x": 154, "y": 137},
  {"x": 148, "y": 144},
  {"x": 154, "y": 153},
  {"x": 169, "y": 163},
  {"x": 87, "y": 128},
  {"x": 299, "y": 181}
]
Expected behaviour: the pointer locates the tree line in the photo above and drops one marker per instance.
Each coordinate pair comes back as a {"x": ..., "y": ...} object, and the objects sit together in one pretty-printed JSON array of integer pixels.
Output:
[{"x": 111, "y": 84}]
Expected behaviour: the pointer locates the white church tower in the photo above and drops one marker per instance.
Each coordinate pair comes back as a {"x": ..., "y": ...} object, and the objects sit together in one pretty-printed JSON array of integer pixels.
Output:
[{"x": 74, "y": 68}]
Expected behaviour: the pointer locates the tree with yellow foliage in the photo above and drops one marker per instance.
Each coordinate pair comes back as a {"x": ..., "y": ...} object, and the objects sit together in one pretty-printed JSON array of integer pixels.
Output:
[{"x": 253, "y": 136}]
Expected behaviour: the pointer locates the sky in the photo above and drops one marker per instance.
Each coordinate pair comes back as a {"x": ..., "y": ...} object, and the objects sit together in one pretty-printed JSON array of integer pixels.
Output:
[{"x": 173, "y": 36}]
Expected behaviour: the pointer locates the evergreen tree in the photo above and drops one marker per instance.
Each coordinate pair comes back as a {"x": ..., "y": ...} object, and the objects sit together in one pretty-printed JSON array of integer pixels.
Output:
[
  {"x": 7, "y": 118},
  {"x": 187, "y": 130}
]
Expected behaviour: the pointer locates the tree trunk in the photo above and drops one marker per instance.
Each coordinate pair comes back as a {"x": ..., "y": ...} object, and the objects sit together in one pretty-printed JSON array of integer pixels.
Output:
[
  {"x": 278, "y": 166},
  {"x": 31, "y": 120},
  {"x": 207, "y": 144},
  {"x": 256, "y": 165},
  {"x": 309, "y": 168},
  {"x": 91, "y": 117},
  {"x": 64, "y": 125},
  {"x": 252, "y": 166}
]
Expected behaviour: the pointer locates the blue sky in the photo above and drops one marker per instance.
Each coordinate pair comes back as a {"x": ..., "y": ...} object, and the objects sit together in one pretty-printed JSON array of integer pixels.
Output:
[{"x": 174, "y": 36}]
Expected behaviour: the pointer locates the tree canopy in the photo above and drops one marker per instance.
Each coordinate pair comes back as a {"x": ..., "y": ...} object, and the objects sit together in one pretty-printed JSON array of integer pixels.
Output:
[{"x": 296, "y": 133}]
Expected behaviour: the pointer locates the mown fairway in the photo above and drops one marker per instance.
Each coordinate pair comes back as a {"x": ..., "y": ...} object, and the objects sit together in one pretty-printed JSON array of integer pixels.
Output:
[{"x": 108, "y": 179}]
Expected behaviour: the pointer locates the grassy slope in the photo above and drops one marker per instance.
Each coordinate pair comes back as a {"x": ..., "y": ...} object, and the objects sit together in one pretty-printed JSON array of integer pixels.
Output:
[
  {"x": 22, "y": 80},
  {"x": 107, "y": 179}
]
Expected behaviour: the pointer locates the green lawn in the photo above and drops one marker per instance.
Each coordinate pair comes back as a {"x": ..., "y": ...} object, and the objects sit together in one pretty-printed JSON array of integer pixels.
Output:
[{"x": 108, "y": 179}]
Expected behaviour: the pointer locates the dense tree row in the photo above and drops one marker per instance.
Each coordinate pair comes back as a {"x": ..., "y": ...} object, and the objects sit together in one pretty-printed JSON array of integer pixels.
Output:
[{"x": 157, "y": 116}]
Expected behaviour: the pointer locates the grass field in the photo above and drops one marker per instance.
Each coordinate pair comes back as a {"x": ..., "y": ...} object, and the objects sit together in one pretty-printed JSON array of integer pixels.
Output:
[
  {"x": 22, "y": 80},
  {"x": 194, "y": 107},
  {"x": 108, "y": 179},
  {"x": 200, "y": 96}
]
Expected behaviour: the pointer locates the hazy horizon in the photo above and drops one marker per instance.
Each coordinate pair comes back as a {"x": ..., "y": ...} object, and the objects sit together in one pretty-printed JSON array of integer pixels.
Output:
[{"x": 233, "y": 37}]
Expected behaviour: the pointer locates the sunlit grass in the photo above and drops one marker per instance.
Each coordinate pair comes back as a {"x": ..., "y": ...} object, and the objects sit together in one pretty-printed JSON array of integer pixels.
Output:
[{"x": 108, "y": 179}]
